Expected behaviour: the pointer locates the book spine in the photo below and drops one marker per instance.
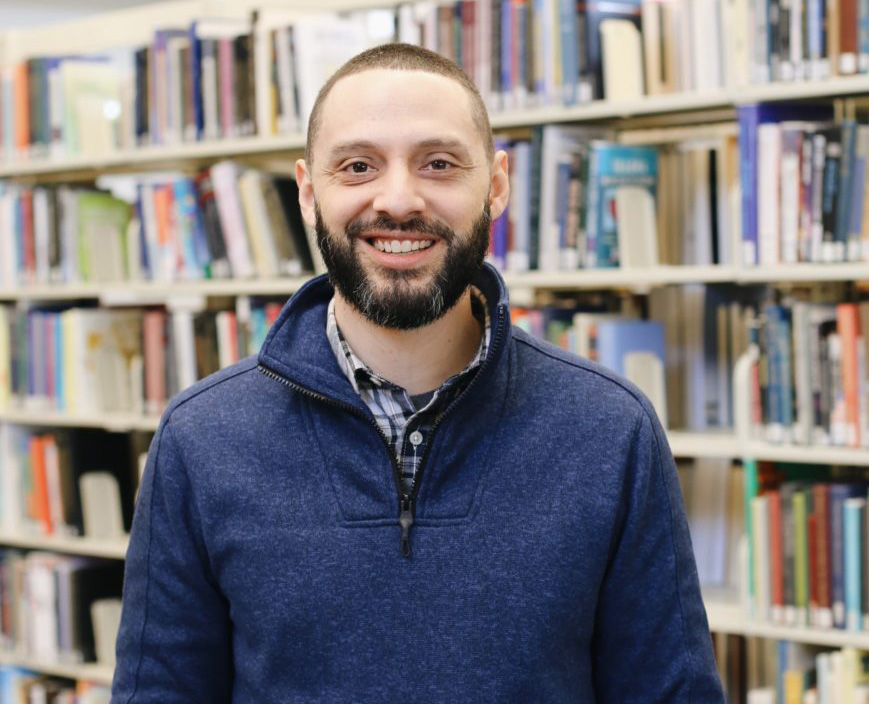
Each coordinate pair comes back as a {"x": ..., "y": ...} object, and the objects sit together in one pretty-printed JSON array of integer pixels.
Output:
[{"x": 854, "y": 516}]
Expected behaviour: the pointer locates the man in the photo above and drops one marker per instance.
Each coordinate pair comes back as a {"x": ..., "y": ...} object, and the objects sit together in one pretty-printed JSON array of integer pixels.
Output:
[{"x": 402, "y": 498}]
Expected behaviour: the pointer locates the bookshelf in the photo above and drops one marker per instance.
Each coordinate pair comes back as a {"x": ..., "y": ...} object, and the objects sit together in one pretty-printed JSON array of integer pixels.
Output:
[{"x": 131, "y": 27}]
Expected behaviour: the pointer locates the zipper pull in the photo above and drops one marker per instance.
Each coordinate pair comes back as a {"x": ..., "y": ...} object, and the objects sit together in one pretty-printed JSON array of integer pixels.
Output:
[{"x": 405, "y": 520}]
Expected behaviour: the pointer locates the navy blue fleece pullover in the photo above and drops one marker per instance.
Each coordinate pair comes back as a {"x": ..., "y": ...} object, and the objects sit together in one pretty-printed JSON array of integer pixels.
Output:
[{"x": 549, "y": 558}]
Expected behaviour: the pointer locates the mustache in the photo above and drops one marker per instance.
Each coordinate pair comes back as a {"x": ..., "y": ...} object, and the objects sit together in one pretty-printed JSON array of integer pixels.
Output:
[{"x": 358, "y": 227}]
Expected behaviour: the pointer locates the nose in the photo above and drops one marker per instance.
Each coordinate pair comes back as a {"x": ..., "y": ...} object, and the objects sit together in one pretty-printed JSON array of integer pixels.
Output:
[{"x": 398, "y": 195}]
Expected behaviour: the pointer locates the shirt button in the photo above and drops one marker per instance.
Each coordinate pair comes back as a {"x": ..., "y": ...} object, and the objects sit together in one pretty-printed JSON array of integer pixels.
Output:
[{"x": 415, "y": 438}]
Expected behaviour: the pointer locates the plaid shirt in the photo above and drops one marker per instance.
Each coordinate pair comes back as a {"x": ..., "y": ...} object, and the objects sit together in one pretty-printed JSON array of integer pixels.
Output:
[{"x": 406, "y": 421}]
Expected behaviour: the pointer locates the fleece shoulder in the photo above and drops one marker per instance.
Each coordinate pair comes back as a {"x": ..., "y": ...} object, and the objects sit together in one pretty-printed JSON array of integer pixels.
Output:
[
  {"x": 210, "y": 384},
  {"x": 563, "y": 367}
]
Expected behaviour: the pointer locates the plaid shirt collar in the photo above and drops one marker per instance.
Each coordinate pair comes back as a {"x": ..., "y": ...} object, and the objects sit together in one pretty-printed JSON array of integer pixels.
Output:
[{"x": 363, "y": 378}]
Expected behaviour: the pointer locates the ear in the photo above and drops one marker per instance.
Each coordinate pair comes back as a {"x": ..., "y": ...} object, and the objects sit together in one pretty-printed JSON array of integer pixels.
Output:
[
  {"x": 499, "y": 186},
  {"x": 306, "y": 192}
]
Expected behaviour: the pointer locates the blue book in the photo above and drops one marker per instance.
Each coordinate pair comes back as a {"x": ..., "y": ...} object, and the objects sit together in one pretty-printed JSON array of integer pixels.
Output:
[
  {"x": 846, "y": 175},
  {"x": 839, "y": 494},
  {"x": 196, "y": 80},
  {"x": 614, "y": 167},
  {"x": 570, "y": 43},
  {"x": 617, "y": 338},
  {"x": 780, "y": 402},
  {"x": 750, "y": 116},
  {"x": 858, "y": 186},
  {"x": 855, "y": 513}
]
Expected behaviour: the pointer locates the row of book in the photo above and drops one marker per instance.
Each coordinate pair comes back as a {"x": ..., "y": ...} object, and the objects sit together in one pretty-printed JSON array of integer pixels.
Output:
[
  {"x": 60, "y": 608},
  {"x": 765, "y": 671},
  {"x": 69, "y": 482},
  {"x": 219, "y": 77},
  {"x": 227, "y": 221},
  {"x": 808, "y": 384},
  {"x": 807, "y": 545},
  {"x": 804, "y": 185},
  {"x": 97, "y": 360},
  {"x": 19, "y": 685}
]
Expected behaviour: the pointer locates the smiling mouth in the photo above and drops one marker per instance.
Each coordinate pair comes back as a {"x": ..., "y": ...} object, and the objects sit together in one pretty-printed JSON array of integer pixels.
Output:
[{"x": 396, "y": 246}]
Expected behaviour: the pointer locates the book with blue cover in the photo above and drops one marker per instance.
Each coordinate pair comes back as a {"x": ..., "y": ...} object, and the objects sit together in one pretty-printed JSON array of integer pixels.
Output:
[{"x": 614, "y": 168}]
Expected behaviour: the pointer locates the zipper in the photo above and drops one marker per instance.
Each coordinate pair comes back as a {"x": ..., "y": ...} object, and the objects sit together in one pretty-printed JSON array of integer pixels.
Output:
[{"x": 407, "y": 502}]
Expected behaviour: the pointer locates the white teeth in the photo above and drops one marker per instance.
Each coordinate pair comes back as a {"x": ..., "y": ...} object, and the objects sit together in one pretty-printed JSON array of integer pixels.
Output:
[{"x": 394, "y": 246}]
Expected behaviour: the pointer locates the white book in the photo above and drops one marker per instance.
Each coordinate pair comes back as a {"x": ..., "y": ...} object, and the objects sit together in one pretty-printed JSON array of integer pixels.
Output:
[
  {"x": 622, "y": 51},
  {"x": 106, "y": 619},
  {"x": 101, "y": 505},
  {"x": 737, "y": 49},
  {"x": 185, "y": 348},
  {"x": 768, "y": 193},
  {"x": 41, "y": 606},
  {"x": 789, "y": 199},
  {"x": 637, "y": 227},
  {"x": 10, "y": 479},
  {"x": 323, "y": 43},
  {"x": 224, "y": 176},
  {"x": 6, "y": 314},
  {"x": 706, "y": 41},
  {"x": 8, "y": 240},
  {"x": 258, "y": 226},
  {"x": 708, "y": 518}
]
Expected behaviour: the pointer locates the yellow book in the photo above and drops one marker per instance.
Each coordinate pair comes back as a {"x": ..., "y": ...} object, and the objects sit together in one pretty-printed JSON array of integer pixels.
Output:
[{"x": 794, "y": 684}]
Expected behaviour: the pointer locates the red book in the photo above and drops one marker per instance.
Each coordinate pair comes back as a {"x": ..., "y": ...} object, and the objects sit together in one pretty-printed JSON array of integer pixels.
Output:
[
  {"x": 155, "y": 342},
  {"x": 776, "y": 555},
  {"x": 823, "y": 567},
  {"x": 22, "y": 108},
  {"x": 848, "y": 27},
  {"x": 848, "y": 327},
  {"x": 40, "y": 507},
  {"x": 469, "y": 47}
]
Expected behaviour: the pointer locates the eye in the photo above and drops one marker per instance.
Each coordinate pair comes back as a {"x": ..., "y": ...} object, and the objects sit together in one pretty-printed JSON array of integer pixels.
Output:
[
  {"x": 358, "y": 167},
  {"x": 439, "y": 165}
]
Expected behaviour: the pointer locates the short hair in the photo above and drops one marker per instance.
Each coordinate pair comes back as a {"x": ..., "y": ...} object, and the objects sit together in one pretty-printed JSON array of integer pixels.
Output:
[{"x": 403, "y": 57}]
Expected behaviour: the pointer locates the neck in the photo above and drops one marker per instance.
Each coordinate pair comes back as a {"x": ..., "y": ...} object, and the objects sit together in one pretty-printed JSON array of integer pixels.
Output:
[{"x": 418, "y": 360}]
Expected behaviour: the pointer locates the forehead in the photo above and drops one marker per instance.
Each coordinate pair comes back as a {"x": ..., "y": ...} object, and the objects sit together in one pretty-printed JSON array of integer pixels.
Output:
[{"x": 395, "y": 108}]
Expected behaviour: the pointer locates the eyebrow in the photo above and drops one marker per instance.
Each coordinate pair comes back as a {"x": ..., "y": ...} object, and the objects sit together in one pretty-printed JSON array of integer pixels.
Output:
[{"x": 361, "y": 145}]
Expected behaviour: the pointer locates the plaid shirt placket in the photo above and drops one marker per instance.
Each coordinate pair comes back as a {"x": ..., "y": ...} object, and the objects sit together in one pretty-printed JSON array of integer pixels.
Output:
[{"x": 391, "y": 405}]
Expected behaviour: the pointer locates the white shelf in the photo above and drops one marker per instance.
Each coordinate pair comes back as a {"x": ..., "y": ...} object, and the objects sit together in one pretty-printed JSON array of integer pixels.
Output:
[
  {"x": 90, "y": 672},
  {"x": 727, "y": 616},
  {"x": 147, "y": 292},
  {"x": 691, "y": 444},
  {"x": 118, "y": 422},
  {"x": 112, "y": 549}
]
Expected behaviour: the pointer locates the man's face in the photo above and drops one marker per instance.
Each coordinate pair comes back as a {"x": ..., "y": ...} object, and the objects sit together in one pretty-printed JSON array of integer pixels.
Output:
[{"x": 401, "y": 193}]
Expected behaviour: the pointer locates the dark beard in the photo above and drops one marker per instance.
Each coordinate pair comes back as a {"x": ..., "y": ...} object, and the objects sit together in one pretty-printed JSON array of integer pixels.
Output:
[{"x": 401, "y": 305}]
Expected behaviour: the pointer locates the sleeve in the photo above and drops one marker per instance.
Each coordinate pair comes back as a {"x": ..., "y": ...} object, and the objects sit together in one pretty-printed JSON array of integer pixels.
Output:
[
  {"x": 174, "y": 642},
  {"x": 651, "y": 640}
]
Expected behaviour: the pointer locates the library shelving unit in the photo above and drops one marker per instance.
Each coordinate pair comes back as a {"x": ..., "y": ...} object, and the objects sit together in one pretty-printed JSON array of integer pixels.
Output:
[{"x": 129, "y": 27}]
